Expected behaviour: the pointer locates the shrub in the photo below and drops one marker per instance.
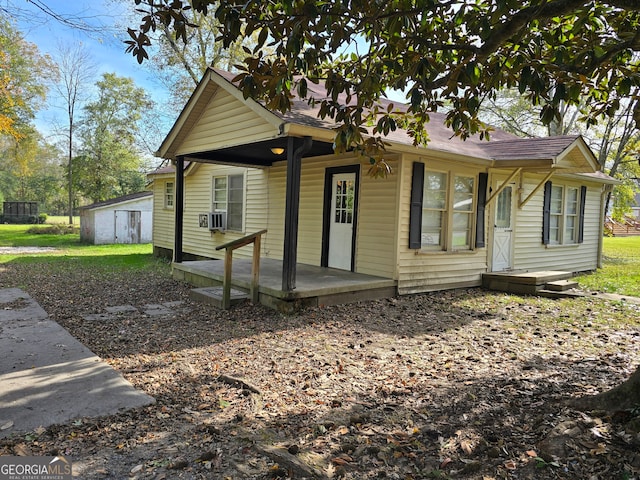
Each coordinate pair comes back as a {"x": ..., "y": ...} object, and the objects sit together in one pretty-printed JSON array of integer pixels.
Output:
[{"x": 57, "y": 229}]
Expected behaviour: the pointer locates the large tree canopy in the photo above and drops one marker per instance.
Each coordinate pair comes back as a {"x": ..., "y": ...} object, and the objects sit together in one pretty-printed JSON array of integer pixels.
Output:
[
  {"x": 180, "y": 64},
  {"x": 110, "y": 163},
  {"x": 23, "y": 75},
  {"x": 451, "y": 54}
]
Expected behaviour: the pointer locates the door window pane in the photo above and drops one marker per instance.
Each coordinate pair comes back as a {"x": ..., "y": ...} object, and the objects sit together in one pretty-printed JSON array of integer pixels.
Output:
[
  {"x": 345, "y": 191},
  {"x": 503, "y": 209}
]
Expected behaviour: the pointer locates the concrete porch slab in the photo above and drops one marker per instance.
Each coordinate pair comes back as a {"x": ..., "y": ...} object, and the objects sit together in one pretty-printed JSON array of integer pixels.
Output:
[{"x": 314, "y": 285}]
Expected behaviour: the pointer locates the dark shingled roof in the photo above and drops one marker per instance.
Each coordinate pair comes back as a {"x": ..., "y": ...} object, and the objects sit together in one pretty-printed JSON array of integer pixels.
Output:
[
  {"x": 529, "y": 148},
  {"x": 113, "y": 201},
  {"x": 501, "y": 146}
]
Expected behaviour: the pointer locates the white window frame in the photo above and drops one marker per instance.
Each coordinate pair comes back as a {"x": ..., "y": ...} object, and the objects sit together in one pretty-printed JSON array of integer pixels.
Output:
[
  {"x": 169, "y": 195},
  {"x": 564, "y": 215},
  {"x": 450, "y": 207},
  {"x": 224, "y": 205}
]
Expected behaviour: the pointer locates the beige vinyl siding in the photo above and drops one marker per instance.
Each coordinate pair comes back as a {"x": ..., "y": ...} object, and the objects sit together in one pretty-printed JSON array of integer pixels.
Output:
[
  {"x": 375, "y": 235},
  {"x": 218, "y": 126},
  {"x": 529, "y": 252},
  {"x": 276, "y": 199},
  {"x": 198, "y": 186},
  {"x": 377, "y": 220},
  {"x": 163, "y": 218},
  {"x": 422, "y": 271}
]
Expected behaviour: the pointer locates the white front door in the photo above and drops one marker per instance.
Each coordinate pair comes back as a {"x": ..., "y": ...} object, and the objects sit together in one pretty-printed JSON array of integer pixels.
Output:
[
  {"x": 341, "y": 219},
  {"x": 503, "y": 231}
]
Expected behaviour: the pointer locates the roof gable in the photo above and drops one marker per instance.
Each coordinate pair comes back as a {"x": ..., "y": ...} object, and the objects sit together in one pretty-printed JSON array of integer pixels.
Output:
[
  {"x": 218, "y": 106},
  {"x": 567, "y": 153}
]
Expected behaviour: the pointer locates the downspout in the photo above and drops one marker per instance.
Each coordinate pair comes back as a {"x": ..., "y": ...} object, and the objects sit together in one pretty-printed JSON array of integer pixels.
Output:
[
  {"x": 606, "y": 190},
  {"x": 292, "y": 208}
]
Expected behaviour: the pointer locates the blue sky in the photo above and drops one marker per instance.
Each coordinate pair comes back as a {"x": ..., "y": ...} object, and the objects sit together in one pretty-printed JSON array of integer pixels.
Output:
[{"x": 107, "y": 21}]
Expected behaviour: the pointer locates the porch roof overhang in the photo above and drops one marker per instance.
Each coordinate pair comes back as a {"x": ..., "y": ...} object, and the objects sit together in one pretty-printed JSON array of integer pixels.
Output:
[
  {"x": 258, "y": 154},
  {"x": 565, "y": 155}
]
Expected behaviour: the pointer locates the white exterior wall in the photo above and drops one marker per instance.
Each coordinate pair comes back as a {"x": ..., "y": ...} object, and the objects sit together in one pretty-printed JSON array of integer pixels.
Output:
[
  {"x": 104, "y": 226},
  {"x": 101, "y": 222},
  {"x": 87, "y": 227}
]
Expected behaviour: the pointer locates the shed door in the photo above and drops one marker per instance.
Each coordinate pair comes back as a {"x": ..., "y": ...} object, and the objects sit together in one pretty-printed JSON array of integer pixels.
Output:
[
  {"x": 503, "y": 231},
  {"x": 127, "y": 226},
  {"x": 341, "y": 221}
]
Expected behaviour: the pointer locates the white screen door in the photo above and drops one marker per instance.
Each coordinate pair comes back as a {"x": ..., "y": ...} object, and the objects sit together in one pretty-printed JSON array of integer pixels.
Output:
[
  {"x": 341, "y": 221},
  {"x": 503, "y": 231}
]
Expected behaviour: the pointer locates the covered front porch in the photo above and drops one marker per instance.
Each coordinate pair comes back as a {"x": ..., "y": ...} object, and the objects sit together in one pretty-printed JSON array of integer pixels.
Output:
[{"x": 315, "y": 286}]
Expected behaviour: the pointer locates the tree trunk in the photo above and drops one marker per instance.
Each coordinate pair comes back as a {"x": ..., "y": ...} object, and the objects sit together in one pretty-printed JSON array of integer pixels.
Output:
[{"x": 624, "y": 396}]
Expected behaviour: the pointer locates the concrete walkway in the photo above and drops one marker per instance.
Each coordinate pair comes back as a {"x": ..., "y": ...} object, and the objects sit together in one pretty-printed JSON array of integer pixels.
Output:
[{"x": 47, "y": 376}]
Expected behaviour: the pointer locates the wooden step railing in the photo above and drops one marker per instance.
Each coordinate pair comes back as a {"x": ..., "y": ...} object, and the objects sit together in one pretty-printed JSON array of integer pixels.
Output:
[
  {"x": 628, "y": 227},
  {"x": 229, "y": 247}
]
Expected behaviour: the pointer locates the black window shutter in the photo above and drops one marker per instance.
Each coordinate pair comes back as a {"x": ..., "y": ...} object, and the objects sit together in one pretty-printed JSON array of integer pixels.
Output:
[
  {"x": 583, "y": 199},
  {"x": 415, "y": 212},
  {"x": 482, "y": 200},
  {"x": 546, "y": 213}
]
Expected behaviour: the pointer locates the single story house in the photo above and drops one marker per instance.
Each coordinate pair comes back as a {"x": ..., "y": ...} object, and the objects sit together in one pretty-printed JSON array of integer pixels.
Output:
[
  {"x": 448, "y": 213},
  {"x": 126, "y": 219}
]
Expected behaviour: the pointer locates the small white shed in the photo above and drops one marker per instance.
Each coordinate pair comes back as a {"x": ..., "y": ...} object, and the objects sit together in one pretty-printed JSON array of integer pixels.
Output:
[{"x": 126, "y": 219}]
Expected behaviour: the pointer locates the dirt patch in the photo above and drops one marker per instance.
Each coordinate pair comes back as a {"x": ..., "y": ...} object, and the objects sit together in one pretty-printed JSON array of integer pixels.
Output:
[{"x": 457, "y": 384}]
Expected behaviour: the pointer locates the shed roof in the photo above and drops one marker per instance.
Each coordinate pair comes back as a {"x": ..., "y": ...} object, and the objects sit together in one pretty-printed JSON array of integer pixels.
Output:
[{"x": 114, "y": 201}]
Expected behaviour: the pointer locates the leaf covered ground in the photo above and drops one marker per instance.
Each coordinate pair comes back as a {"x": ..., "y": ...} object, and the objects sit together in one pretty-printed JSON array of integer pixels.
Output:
[{"x": 454, "y": 384}]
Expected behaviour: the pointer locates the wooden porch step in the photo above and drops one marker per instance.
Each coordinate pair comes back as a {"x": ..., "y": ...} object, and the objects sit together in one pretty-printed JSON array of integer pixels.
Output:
[
  {"x": 561, "y": 285},
  {"x": 523, "y": 282},
  {"x": 213, "y": 296}
]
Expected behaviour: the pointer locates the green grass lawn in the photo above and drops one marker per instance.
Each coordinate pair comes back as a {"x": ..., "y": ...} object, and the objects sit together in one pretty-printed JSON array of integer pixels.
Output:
[
  {"x": 26, "y": 236},
  {"x": 621, "y": 268},
  {"x": 620, "y": 274},
  {"x": 69, "y": 250}
]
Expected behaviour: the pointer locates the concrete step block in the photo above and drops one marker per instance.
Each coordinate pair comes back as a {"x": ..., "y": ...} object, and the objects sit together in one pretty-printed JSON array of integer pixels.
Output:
[
  {"x": 213, "y": 296},
  {"x": 561, "y": 285}
]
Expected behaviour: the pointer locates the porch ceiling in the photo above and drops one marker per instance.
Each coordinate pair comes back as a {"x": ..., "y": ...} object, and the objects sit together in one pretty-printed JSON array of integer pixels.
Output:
[{"x": 257, "y": 154}]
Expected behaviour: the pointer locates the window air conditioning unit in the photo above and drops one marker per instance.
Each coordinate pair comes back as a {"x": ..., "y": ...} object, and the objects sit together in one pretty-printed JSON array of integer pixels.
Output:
[{"x": 218, "y": 221}]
